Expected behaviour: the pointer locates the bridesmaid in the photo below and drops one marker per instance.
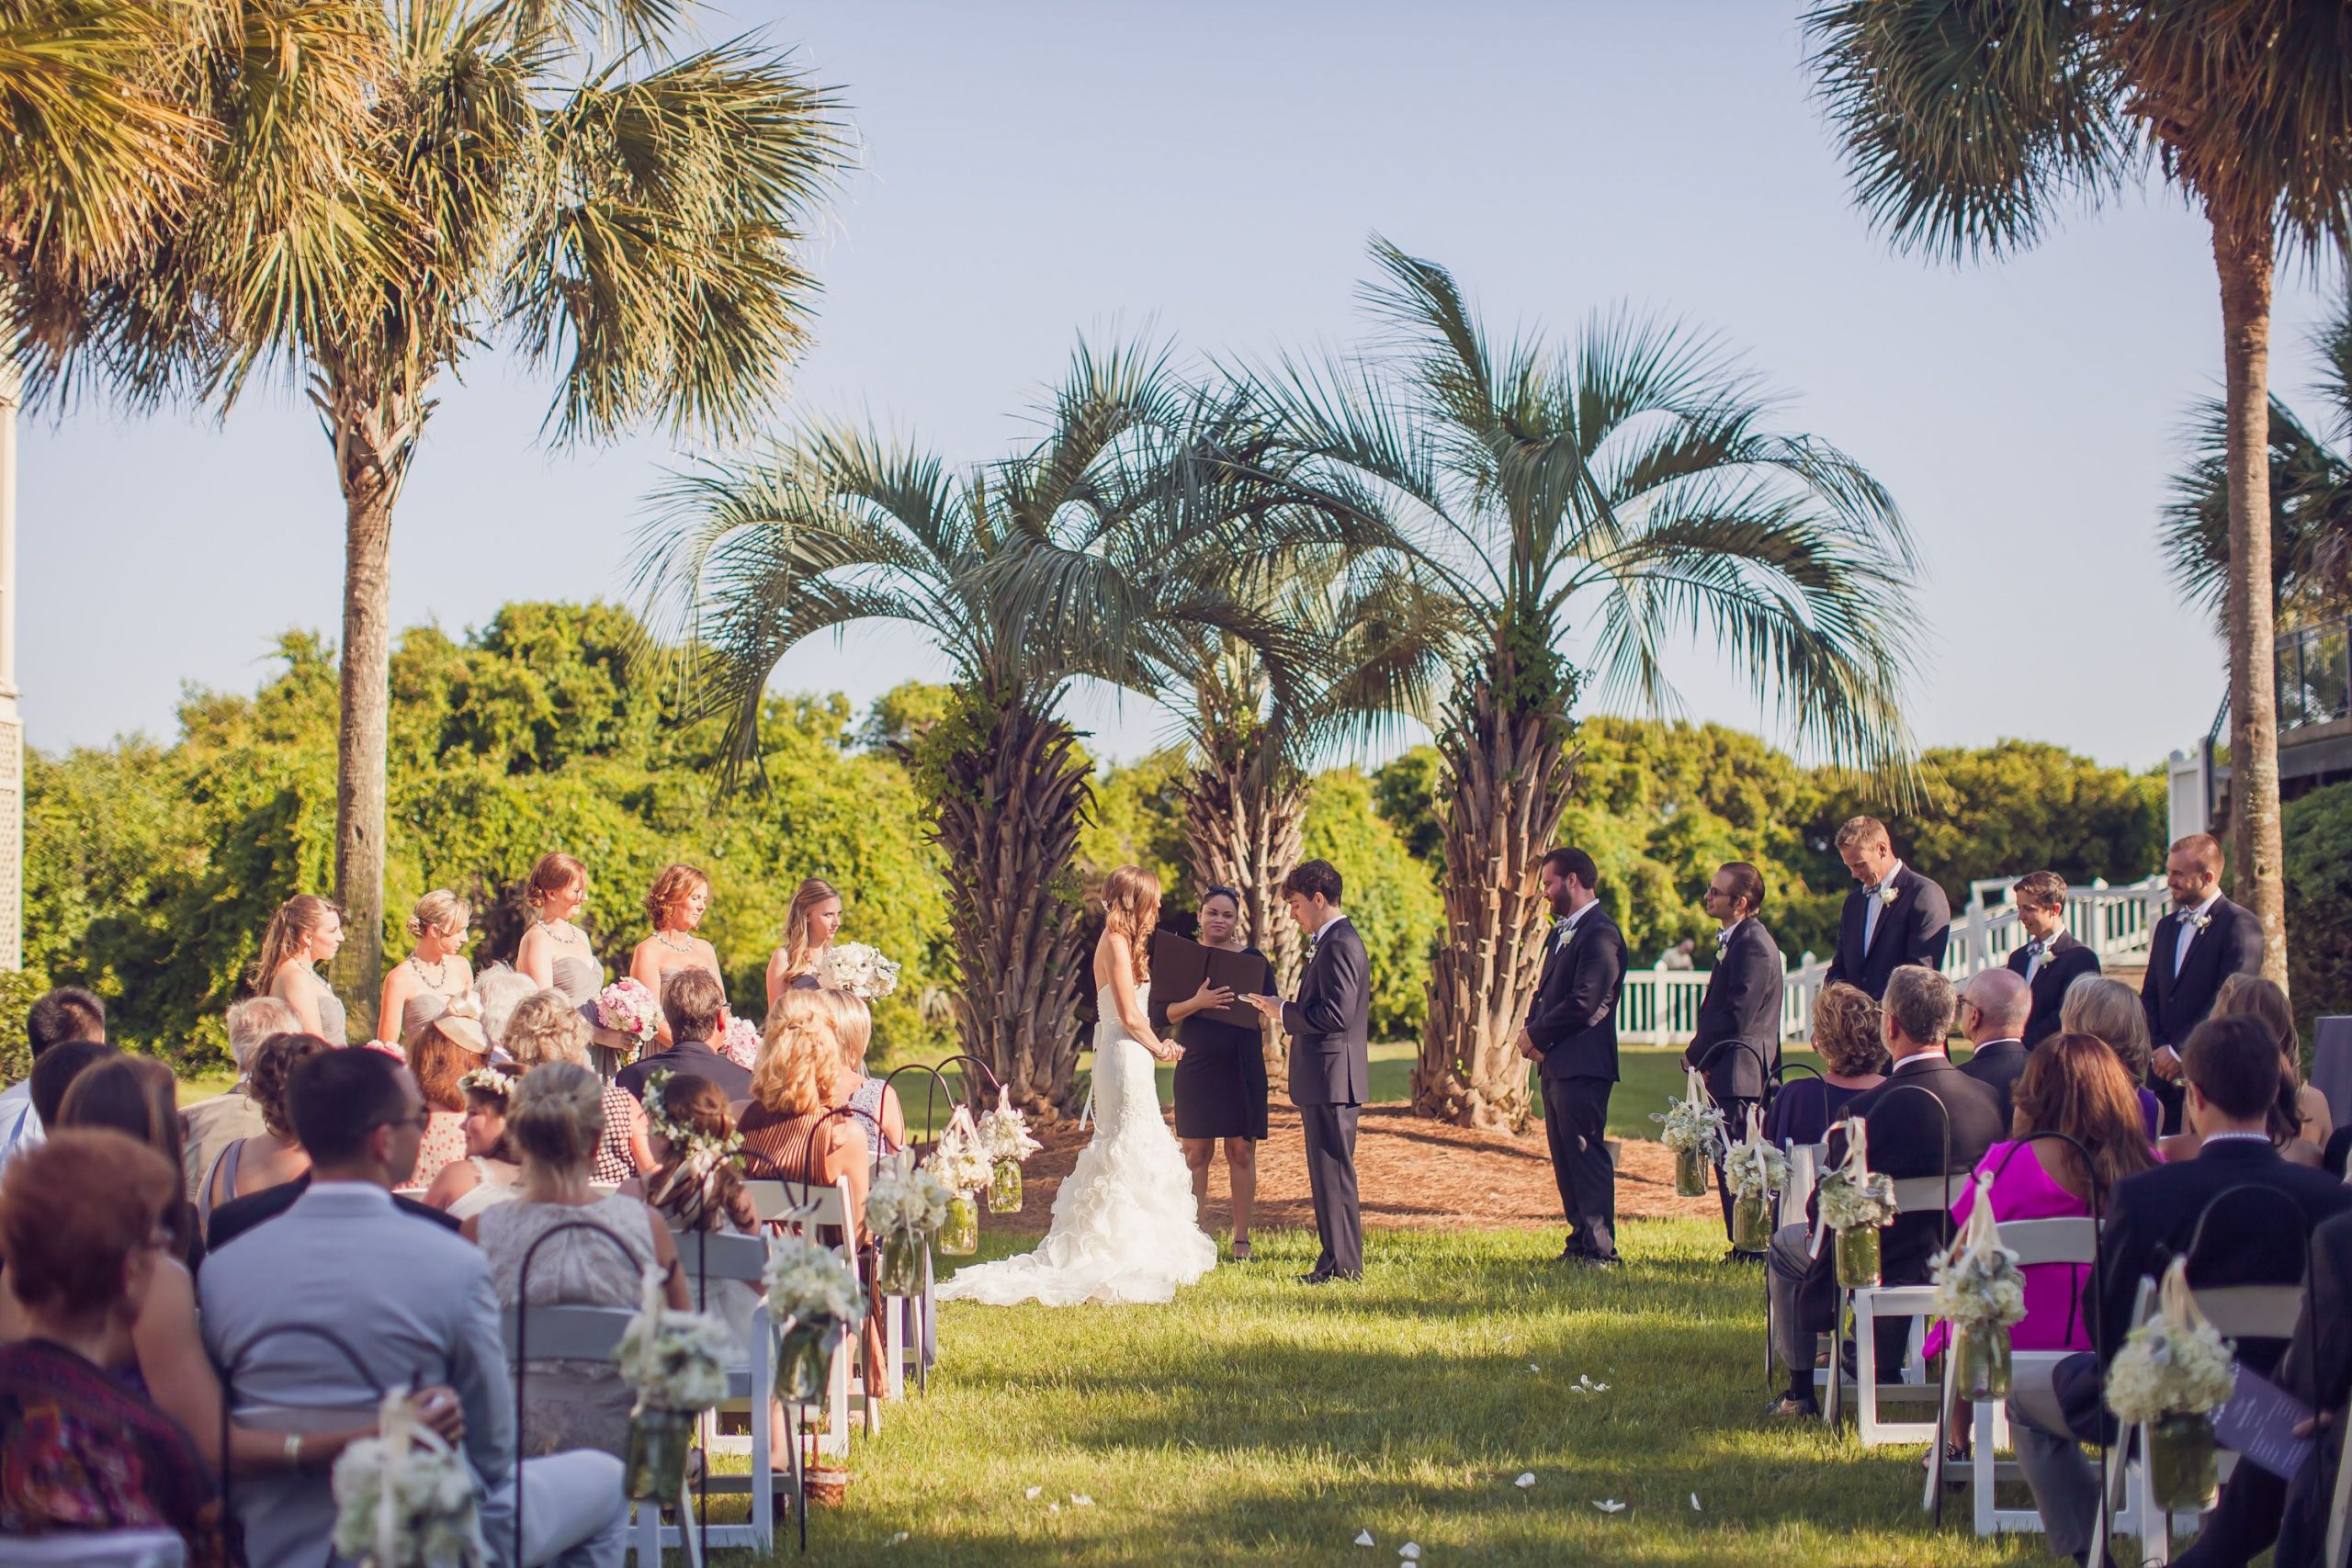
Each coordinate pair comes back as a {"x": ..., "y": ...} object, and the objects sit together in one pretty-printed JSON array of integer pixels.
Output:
[
  {"x": 555, "y": 953},
  {"x": 809, "y": 931},
  {"x": 1221, "y": 1076},
  {"x": 676, "y": 903},
  {"x": 435, "y": 972},
  {"x": 306, "y": 931}
]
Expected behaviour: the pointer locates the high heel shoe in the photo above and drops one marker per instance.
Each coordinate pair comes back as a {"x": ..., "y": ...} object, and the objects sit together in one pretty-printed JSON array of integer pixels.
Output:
[{"x": 1241, "y": 1252}]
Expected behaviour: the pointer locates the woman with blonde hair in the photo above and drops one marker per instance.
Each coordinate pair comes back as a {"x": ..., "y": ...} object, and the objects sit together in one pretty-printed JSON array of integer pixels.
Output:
[
  {"x": 808, "y": 929},
  {"x": 306, "y": 931},
  {"x": 1853, "y": 1059},
  {"x": 789, "y": 1132},
  {"x": 554, "y": 1122},
  {"x": 555, "y": 952},
  {"x": 436, "y": 968},
  {"x": 871, "y": 1099},
  {"x": 2108, "y": 1009},
  {"x": 676, "y": 903},
  {"x": 1125, "y": 1226},
  {"x": 546, "y": 1027}
]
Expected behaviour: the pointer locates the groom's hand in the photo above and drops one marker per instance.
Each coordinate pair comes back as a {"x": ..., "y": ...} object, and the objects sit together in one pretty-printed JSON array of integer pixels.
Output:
[
  {"x": 1272, "y": 1006},
  {"x": 1524, "y": 1044}
]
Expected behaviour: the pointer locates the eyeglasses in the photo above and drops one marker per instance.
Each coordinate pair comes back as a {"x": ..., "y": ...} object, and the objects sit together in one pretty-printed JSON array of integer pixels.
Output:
[{"x": 421, "y": 1120}]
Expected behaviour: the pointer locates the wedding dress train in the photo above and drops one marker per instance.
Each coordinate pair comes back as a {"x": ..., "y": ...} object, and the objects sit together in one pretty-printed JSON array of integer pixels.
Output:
[{"x": 1126, "y": 1228}]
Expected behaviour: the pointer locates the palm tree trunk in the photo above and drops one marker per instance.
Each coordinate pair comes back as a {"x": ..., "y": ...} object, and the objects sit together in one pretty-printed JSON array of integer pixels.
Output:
[
  {"x": 370, "y": 453},
  {"x": 2243, "y": 255},
  {"x": 1009, "y": 821},
  {"x": 1507, "y": 782},
  {"x": 1243, "y": 830}
]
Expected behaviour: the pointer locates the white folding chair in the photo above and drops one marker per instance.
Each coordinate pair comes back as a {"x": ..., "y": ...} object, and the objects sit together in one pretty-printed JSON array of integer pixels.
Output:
[
  {"x": 792, "y": 1205},
  {"x": 2055, "y": 1241},
  {"x": 707, "y": 1260},
  {"x": 1804, "y": 1175},
  {"x": 96, "y": 1549},
  {"x": 1912, "y": 1195},
  {"x": 590, "y": 1334}
]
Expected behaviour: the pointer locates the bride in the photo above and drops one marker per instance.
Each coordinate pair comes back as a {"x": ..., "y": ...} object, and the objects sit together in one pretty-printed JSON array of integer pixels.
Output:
[{"x": 1125, "y": 1227}]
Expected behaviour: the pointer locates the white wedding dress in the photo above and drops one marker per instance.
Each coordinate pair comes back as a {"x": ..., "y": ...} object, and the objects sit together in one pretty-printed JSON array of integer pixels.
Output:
[{"x": 1126, "y": 1228}]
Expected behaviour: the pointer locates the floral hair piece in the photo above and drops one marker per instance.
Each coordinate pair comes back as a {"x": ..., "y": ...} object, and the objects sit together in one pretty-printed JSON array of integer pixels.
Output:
[
  {"x": 703, "y": 1153},
  {"x": 488, "y": 1080}
]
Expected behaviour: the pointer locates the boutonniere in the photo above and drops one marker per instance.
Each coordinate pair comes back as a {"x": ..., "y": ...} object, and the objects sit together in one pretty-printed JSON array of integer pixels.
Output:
[
  {"x": 1886, "y": 893},
  {"x": 1723, "y": 941},
  {"x": 2200, "y": 919}
]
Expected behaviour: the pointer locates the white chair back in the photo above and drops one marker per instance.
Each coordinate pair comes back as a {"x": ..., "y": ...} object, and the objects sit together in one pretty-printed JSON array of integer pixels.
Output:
[
  {"x": 1805, "y": 1174},
  {"x": 793, "y": 1202},
  {"x": 565, "y": 1333},
  {"x": 97, "y": 1549},
  {"x": 2252, "y": 1312},
  {"x": 1913, "y": 1193},
  {"x": 707, "y": 1255},
  {"x": 2072, "y": 1240}
]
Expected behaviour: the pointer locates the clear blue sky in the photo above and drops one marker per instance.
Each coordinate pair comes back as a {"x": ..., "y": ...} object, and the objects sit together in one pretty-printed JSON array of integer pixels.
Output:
[{"x": 1211, "y": 171}]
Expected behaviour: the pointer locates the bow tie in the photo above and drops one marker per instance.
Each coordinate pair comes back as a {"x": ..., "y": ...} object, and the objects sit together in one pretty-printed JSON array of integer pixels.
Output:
[{"x": 1871, "y": 891}]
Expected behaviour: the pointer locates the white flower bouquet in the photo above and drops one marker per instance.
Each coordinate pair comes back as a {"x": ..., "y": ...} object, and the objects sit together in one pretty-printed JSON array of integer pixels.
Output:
[
  {"x": 1693, "y": 1124},
  {"x": 808, "y": 1283},
  {"x": 404, "y": 1498},
  {"x": 860, "y": 970},
  {"x": 1978, "y": 1283},
  {"x": 958, "y": 1161},
  {"x": 1755, "y": 1168},
  {"x": 904, "y": 1209},
  {"x": 2174, "y": 1364},
  {"x": 628, "y": 1008},
  {"x": 1855, "y": 1201},
  {"x": 673, "y": 1361},
  {"x": 741, "y": 1043},
  {"x": 1004, "y": 1131}
]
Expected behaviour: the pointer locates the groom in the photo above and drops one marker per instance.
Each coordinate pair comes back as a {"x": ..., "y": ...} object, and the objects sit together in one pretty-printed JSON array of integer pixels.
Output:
[{"x": 1329, "y": 1060}]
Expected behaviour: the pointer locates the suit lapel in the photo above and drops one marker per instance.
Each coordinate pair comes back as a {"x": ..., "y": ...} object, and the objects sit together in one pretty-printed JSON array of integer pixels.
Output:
[{"x": 1886, "y": 912}]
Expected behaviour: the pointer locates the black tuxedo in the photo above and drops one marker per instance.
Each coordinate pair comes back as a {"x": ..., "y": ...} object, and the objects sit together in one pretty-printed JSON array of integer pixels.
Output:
[
  {"x": 1906, "y": 1139},
  {"x": 1998, "y": 1065},
  {"x": 1912, "y": 928},
  {"x": 1330, "y": 1068},
  {"x": 1573, "y": 1024},
  {"x": 2229, "y": 944},
  {"x": 2066, "y": 961},
  {"x": 1741, "y": 1007}
]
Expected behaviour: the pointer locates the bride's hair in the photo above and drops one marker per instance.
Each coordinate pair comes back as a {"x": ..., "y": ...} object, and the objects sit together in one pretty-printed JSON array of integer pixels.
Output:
[{"x": 1131, "y": 907}]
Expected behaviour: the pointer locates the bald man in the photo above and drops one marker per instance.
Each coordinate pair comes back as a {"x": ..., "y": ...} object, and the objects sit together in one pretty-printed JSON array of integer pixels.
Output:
[{"x": 1994, "y": 1007}]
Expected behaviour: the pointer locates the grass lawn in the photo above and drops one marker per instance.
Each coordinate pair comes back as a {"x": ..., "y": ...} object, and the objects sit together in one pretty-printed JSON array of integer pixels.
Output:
[{"x": 1257, "y": 1421}]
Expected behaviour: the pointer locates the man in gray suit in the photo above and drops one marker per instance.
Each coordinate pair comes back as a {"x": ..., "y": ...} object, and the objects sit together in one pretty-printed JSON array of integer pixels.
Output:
[
  {"x": 344, "y": 1276},
  {"x": 1331, "y": 1061}
]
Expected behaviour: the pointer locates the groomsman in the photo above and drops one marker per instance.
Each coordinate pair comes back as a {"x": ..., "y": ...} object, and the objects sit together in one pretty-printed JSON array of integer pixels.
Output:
[
  {"x": 1329, "y": 1061},
  {"x": 1571, "y": 1031},
  {"x": 2204, "y": 939},
  {"x": 2051, "y": 959},
  {"x": 1737, "y": 1041},
  {"x": 1893, "y": 917}
]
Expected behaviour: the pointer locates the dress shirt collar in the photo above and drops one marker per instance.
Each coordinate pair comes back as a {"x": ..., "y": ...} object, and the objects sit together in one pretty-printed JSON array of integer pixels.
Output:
[
  {"x": 2206, "y": 908},
  {"x": 2218, "y": 1138},
  {"x": 1894, "y": 870},
  {"x": 343, "y": 1197},
  {"x": 2005, "y": 1039},
  {"x": 1921, "y": 1057}
]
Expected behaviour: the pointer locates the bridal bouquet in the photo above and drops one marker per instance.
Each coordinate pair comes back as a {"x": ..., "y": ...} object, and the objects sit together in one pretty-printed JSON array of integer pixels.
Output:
[
  {"x": 1004, "y": 1138},
  {"x": 675, "y": 1362},
  {"x": 741, "y": 1043},
  {"x": 1980, "y": 1291},
  {"x": 1754, "y": 1170},
  {"x": 626, "y": 1006},
  {"x": 860, "y": 970},
  {"x": 814, "y": 1291},
  {"x": 2172, "y": 1373},
  {"x": 904, "y": 1208},
  {"x": 404, "y": 1498},
  {"x": 1694, "y": 1131}
]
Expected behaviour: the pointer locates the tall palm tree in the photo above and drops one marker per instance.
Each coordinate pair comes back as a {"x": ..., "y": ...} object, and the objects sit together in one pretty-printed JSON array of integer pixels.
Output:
[
  {"x": 1966, "y": 124},
  {"x": 1623, "y": 487},
  {"x": 2311, "y": 498},
  {"x": 1026, "y": 574},
  {"x": 390, "y": 184}
]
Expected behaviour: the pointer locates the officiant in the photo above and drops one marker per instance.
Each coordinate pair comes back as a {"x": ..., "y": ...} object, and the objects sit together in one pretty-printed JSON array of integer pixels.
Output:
[{"x": 1221, "y": 1077}]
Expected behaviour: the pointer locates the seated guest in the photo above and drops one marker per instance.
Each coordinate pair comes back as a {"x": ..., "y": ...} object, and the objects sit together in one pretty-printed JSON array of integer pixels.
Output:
[
  {"x": 213, "y": 1124},
  {"x": 2074, "y": 1085},
  {"x": 501, "y": 991},
  {"x": 2050, "y": 959},
  {"x": 2318, "y": 1370},
  {"x": 871, "y": 1099},
  {"x": 81, "y": 1449},
  {"x": 233, "y": 1219},
  {"x": 1994, "y": 1006},
  {"x": 411, "y": 1302},
  {"x": 138, "y": 1096},
  {"x": 789, "y": 1132},
  {"x": 695, "y": 1004},
  {"x": 547, "y": 1027},
  {"x": 695, "y": 1186},
  {"x": 1906, "y": 1138},
  {"x": 490, "y": 1172},
  {"x": 2309, "y": 1117},
  {"x": 554, "y": 1119},
  {"x": 273, "y": 1155},
  {"x": 2110, "y": 1011},
  {"x": 1846, "y": 1034},
  {"x": 67, "y": 1013},
  {"x": 443, "y": 1042},
  {"x": 2230, "y": 1066}
]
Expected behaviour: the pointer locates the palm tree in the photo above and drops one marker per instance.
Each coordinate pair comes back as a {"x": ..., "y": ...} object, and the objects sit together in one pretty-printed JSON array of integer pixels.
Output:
[
  {"x": 390, "y": 185},
  {"x": 1624, "y": 488},
  {"x": 1966, "y": 124},
  {"x": 1027, "y": 574},
  {"x": 2311, "y": 498}
]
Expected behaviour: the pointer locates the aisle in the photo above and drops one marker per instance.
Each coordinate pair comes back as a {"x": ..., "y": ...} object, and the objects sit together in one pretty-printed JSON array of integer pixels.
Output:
[{"x": 1255, "y": 1421}]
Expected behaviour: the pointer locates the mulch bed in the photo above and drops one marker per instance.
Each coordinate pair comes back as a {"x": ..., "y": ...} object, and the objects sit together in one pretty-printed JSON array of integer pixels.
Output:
[{"x": 1410, "y": 1174}]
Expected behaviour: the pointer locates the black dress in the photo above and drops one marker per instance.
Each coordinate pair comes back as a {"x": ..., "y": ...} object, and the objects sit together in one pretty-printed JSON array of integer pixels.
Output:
[{"x": 1221, "y": 1080}]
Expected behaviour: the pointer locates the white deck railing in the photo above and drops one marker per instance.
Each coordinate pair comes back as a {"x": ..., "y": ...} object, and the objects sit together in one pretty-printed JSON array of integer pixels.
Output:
[{"x": 1660, "y": 1005}]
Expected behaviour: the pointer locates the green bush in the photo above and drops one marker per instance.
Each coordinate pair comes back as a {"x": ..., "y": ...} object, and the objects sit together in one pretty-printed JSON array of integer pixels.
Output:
[
  {"x": 1388, "y": 895},
  {"x": 2319, "y": 901},
  {"x": 19, "y": 988}
]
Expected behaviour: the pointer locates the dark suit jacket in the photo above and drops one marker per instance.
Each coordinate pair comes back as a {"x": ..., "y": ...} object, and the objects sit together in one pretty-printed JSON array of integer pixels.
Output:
[
  {"x": 2318, "y": 1370},
  {"x": 1743, "y": 1003},
  {"x": 688, "y": 1056},
  {"x": 1573, "y": 1019},
  {"x": 1331, "y": 1054},
  {"x": 237, "y": 1215},
  {"x": 1998, "y": 1065},
  {"x": 1906, "y": 1139},
  {"x": 2253, "y": 1240},
  {"x": 2066, "y": 961},
  {"x": 2175, "y": 1004},
  {"x": 1914, "y": 929}
]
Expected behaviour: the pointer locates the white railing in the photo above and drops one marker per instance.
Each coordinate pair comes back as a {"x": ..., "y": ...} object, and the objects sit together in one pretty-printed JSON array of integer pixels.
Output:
[{"x": 1660, "y": 1005}]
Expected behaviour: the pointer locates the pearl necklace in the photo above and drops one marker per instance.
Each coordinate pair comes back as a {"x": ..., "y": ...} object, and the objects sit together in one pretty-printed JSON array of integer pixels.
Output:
[
  {"x": 570, "y": 933},
  {"x": 433, "y": 981},
  {"x": 678, "y": 944}
]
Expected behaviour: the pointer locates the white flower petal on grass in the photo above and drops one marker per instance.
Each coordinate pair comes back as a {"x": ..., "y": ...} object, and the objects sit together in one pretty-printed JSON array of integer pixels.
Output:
[
  {"x": 1363, "y": 1538},
  {"x": 1533, "y": 1368},
  {"x": 1053, "y": 1508},
  {"x": 1694, "y": 1504},
  {"x": 1609, "y": 1505},
  {"x": 1410, "y": 1551},
  {"x": 896, "y": 1539},
  {"x": 1077, "y": 1500},
  {"x": 1526, "y": 1478},
  {"x": 1033, "y": 1491}
]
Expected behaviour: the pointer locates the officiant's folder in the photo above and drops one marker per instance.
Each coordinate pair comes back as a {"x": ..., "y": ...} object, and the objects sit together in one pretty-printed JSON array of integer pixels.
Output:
[{"x": 1179, "y": 964}]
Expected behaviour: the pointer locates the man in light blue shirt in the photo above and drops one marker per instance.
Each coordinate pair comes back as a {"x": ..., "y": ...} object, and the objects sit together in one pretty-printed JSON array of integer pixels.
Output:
[{"x": 66, "y": 1014}]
